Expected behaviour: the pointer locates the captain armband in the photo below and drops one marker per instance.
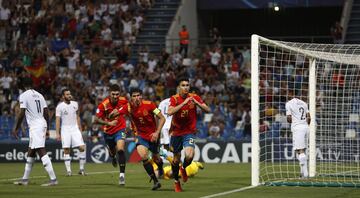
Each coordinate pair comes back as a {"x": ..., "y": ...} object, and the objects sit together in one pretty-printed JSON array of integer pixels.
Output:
[{"x": 156, "y": 111}]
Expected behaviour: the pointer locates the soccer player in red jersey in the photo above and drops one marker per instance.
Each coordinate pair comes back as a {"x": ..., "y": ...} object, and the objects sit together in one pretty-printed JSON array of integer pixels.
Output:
[
  {"x": 114, "y": 128},
  {"x": 147, "y": 128},
  {"x": 183, "y": 128}
]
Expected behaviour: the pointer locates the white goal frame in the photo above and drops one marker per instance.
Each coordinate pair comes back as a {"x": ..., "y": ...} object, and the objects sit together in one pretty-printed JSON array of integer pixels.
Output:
[{"x": 255, "y": 105}]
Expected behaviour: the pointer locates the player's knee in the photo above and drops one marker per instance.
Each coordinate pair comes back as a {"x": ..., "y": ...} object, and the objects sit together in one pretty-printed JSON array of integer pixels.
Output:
[
  {"x": 302, "y": 158},
  {"x": 67, "y": 151},
  {"x": 176, "y": 161},
  {"x": 82, "y": 148}
]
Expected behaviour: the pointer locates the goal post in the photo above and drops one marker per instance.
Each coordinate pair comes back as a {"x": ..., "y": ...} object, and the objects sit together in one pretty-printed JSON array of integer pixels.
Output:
[{"x": 327, "y": 78}]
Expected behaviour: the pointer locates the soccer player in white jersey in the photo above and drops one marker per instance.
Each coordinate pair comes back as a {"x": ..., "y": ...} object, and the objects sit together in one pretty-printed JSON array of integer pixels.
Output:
[
  {"x": 165, "y": 138},
  {"x": 298, "y": 115},
  {"x": 34, "y": 107},
  {"x": 67, "y": 112}
]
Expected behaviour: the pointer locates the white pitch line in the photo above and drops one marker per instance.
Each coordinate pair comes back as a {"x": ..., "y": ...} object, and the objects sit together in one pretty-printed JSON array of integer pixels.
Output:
[
  {"x": 229, "y": 192},
  {"x": 35, "y": 177}
]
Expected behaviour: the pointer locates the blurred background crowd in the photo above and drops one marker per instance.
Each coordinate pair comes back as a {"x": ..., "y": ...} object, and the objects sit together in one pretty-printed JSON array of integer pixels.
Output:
[{"x": 85, "y": 46}]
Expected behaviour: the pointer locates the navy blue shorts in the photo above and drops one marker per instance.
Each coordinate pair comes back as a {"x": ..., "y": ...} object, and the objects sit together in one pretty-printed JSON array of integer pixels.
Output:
[
  {"x": 111, "y": 140},
  {"x": 154, "y": 147},
  {"x": 177, "y": 143}
]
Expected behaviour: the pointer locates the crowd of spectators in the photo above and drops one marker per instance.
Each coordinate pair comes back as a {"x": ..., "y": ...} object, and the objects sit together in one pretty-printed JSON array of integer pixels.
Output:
[{"x": 85, "y": 46}]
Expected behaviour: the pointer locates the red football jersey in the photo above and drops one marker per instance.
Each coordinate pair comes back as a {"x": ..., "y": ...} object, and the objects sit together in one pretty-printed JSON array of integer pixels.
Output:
[
  {"x": 184, "y": 121},
  {"x": 142, "y": 118},
  {"x": 105, "y": 108}
]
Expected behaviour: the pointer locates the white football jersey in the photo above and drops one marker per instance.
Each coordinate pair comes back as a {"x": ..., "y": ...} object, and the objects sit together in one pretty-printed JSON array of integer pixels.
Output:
[
  {"x": 164, "y": 106},
  {"x": 298, "y": 110},
  {"x": 34, "y": 103},
  {"x": 67, "y": 113}
]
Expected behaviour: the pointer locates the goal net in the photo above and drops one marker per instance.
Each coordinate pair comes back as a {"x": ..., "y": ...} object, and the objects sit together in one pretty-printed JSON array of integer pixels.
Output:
[{"x": 327, "y": 78}]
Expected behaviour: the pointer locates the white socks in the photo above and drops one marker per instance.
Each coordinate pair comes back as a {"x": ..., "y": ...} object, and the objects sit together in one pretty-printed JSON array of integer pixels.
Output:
[
  {"x": 67, "y": 161},
  {"x": 122, "y": 175},
  {"x": 48, "y": 166},
  {"x": 303, "y": 165},
  {"x": 82, "y": 160},
  {"x": 28, "y": 166}
]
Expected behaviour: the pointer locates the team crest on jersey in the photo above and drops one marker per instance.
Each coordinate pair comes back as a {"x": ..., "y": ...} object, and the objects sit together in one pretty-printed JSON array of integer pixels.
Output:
[
  {"x": 145, "y": 112},
  {"x": 65, "y": 112}
]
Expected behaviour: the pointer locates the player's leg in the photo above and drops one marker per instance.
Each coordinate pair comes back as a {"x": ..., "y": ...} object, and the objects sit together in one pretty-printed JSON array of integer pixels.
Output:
[
  {"x": 48, "y": 166},
  {"x": 189, "y": 145},
  {"x": 143, "y": 151},
  {"x": 155, "y": 148},
  {"x": 77, "y": 141},
  {"x": 82, "y": 160},
  {"x": 111, "y": 146},
  {"x": 38, "y": 144},
  {"x": 303, "y": 163},
  {"x": 28, "y": 167},
  {"x": 300, "y": 145},
  {"x": 165, "y": 138},
  {"x": 120, "y": 148},
  {"x": 176, "y": 145},
  {"x": 66, "y": 143},
  {"x": 67, "y": 161}
]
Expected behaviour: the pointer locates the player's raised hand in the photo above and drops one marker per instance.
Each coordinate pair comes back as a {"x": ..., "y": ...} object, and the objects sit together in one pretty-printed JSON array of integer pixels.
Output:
[
  {"x": 15, "y": 134},
  {"x": 112, "y": 123}
]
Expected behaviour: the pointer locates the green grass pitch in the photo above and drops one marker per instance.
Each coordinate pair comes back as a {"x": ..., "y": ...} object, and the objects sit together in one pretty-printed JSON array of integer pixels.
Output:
[{"x": 102, "y": 182}]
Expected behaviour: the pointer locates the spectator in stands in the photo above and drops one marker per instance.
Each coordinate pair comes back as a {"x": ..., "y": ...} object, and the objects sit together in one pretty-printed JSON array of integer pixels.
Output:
[
  {"x": 336, "y": 32},
  {"x": 215, "y": 37},
  {"x": 184, "y": 41},
  {"x": 214, "y": 130},
  {"x": 92, "y": 71}
]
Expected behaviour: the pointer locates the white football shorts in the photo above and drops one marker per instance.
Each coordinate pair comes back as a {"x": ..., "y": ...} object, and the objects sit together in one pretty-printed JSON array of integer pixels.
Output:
[
  {"x": 37, "y": 137},
  {"x": 300, "y": 136},
  {"x": 71, "y": 137},
  {"x": 165, "y": 138}
]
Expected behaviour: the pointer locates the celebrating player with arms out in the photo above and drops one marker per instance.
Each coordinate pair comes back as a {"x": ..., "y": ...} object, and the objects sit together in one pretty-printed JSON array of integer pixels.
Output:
[
  {"x": 114, "y": 128},
  {"x": 183, "y": 127},
  {"x": 68, "y": 113},
  {"x": 142, "y": 114},
  {"x": 298, "y": 115}
]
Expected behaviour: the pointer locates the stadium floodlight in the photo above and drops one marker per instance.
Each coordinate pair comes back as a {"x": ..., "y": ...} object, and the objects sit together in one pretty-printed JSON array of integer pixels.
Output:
[{"x": 325, "y": 76}]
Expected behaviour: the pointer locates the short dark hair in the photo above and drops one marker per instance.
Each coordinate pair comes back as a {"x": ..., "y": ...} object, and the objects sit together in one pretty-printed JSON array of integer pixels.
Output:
[
  {"x": 182, "y": 79},
  {"x": 135, "y": 90},
  {"x": 64, "y": 90},
  {"x": 114, "y": 87},
  {"x": 27, "y": 82}
]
